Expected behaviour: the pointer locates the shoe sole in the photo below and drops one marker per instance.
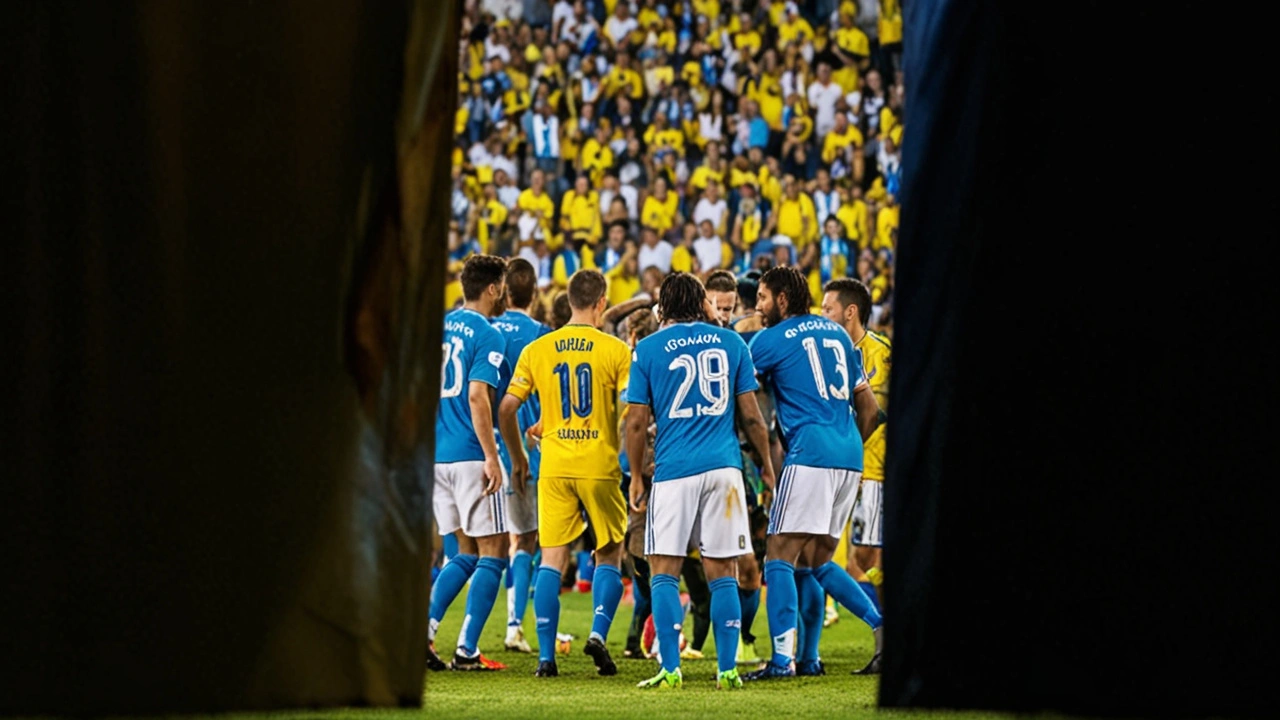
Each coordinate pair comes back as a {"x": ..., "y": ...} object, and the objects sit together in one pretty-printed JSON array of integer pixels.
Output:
[{"x": 604, "y": 664}]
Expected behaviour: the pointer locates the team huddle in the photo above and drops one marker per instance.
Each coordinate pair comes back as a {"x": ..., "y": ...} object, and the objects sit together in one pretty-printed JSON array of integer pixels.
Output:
[{"x": 545, "y": 435}]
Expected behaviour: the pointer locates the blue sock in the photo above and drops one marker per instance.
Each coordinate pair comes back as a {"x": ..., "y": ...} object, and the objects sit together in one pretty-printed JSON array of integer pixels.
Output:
[
  {"x": 750, "y": 600},
  {"x": 840, "y": 586},
  {"x": 485, "y": 582},
  {"x": 870, "y": 590},
  {"x": 726, "y": 620},
  {"x": 521, "y": 575},
  {"x": 813, "y": 608},
  {"x": 585, "y": 568},
  {"x": 664, "y": 593},
  {"x": 782, "y": 608},
  {"x": 546, "y": 607},
  {"x": 448, "y": 585},
  {"x": 606, "y": 591},
  {"x": 450, "y": 546}
]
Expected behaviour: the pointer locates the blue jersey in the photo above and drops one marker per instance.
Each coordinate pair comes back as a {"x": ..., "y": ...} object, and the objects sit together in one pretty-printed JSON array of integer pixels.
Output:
[
  {"x": 691, "y": 375},
  {"x": 812, "y": 369},
  {"x": 473, "y": 352},
  {"x": 518, "y": 329}
]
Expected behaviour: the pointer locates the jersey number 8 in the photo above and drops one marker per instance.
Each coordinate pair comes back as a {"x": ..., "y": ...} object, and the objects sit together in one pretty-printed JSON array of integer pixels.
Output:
[{"x": 711, "y": 370}]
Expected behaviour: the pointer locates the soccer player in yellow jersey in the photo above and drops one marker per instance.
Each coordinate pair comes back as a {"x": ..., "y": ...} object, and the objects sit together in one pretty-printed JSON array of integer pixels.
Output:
[
  {"x": 848, "y": 302},
  {"x": 578, "y": 372}
]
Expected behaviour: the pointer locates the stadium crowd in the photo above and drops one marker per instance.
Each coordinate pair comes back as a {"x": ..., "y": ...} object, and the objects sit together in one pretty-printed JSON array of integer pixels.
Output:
[{"x": 645, "y": 136}]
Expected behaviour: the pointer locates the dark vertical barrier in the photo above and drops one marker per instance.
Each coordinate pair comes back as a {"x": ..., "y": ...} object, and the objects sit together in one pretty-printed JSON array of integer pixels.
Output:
[
  {"x": 1081, "y": 452},
  {"x": 222, "y": 284}
]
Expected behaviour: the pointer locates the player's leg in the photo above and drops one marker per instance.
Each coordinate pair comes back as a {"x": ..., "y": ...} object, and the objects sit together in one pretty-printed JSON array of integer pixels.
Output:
[
  {"x": 725, "y": 530},
  {"x": 457, "y": 571},
  {"x": 484, "y": 518},
  {"x": 672, "y": 511},
  {"x": 695, "y": 581},
  {"x": 864, "y": 537},
  {"x": 639, "y": 584},
  {"x": 607, "y": 510},
  {"x": 522, "y": 512},
  {"x": 749, "y": 600},
  {"x": 559, "y": 524},
  {"x": 811, "y": 608}
]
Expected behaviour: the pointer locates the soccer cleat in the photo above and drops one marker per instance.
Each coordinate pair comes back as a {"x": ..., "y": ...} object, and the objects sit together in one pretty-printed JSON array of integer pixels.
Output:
[
  {"x": 515, "y": 640},
  {"x": 434, "y": 662},
  {"x": 564, "y": 643},
  {"x": 729, "y": 680},
  {"x": 633, "y": 651},
  {"x": 600, "y": 653},
  {"x": 833, "y": 617},
  {"x": 663, "y": 681},
  {"x": 691, "y": 654},
  {"x": 810, "y": 668},
  {"x": 872, "y": 668},
  {"x": 547, "y": 668},
  {"x": 771, "y": 672},
  {"x": 747, "y": 654},
  {"x": 477, "y": 662}
]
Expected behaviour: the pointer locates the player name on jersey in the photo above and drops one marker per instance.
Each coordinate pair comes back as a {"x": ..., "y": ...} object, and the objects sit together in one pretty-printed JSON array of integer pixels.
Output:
[
  {"x": 807, "y": 326},
  {"x": 574, "y": 345},
  {"x": 458, "y": 326},
  {"x": 676, "y": 343}
]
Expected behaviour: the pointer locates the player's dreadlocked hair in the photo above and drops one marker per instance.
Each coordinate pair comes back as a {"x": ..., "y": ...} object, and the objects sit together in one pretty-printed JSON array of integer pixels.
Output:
[
  {"x": 789, "y": 281},
  {"x": 681, "y": 298}
]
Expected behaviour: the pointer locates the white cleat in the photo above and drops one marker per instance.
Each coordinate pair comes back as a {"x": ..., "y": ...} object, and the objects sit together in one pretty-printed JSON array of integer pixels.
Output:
[{"x": 515, "y": 640}]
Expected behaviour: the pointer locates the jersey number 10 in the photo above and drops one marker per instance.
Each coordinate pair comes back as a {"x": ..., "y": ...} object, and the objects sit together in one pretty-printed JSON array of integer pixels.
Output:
[{"x": 581, "y": 408}]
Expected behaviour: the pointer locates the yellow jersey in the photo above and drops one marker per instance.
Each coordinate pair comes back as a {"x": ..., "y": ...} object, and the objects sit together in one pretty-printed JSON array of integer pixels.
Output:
[
  {"x": 578, "y": 373},
  {"x": 876, "y": 351},
  {"x": 658, "y": 214},
  {"x": 890, "y": 22}
]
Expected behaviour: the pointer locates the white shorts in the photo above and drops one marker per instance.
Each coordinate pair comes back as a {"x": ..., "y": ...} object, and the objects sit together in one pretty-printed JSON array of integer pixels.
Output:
[
  {"x": 459, "y": 501},
  {"x": 708, "y": 511},
  {"x": 522, "y": 510},
  {"x": 813, "y": 501},
  {"x": 868, "y": 515}
]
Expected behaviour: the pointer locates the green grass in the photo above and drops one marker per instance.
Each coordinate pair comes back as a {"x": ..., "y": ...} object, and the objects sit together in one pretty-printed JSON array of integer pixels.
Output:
[{"x": 580, "y": 693}]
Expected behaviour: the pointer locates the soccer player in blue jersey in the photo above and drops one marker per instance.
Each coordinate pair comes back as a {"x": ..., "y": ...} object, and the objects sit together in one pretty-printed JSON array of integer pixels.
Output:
[
  {"x": 825, "y": 407},
  {"x": 694, "y": 378},
  {"x": 468, "y": 473},
  {"x": 519, "y": 329}
]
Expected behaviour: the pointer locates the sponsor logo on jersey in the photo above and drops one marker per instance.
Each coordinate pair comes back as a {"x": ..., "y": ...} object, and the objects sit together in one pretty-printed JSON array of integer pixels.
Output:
[{"x": 496, "y": 358}]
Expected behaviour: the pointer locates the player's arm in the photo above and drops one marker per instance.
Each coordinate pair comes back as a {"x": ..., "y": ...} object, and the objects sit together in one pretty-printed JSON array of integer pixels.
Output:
[
  {"x": 757, "y": 431},
  {"x": 866, "y": 409},
  {"x": 478, "y": 394},
  {"x": 638, "y": 417},
  {"x": 509, "y": 426}
]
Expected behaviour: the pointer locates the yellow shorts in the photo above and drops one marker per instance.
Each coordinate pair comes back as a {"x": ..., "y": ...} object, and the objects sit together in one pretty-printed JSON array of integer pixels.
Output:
[{"x": 560, "y": 503}]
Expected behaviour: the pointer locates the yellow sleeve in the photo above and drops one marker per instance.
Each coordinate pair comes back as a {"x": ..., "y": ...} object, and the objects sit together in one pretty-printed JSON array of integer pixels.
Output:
[
  {"x": 522, "y": 385},
  {"x": 829, "y": 148},
  {"x": 623, "y": 364}
]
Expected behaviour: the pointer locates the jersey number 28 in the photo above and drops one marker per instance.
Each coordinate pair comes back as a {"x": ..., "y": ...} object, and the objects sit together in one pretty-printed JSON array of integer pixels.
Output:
[{"x": 710, "y": 369}]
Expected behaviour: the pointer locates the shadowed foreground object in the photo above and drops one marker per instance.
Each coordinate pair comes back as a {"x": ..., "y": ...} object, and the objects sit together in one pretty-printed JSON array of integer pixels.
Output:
[
  {"x": 221, "y": 305},
  {"x": 1085, "y": 364}
]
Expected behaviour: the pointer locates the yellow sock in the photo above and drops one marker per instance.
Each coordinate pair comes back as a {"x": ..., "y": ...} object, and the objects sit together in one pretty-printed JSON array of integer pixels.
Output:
[{"x": 875, "y": 576}]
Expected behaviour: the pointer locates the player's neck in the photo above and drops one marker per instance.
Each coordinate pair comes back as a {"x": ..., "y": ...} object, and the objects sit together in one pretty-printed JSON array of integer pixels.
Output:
[
  {"x": 479, "y": 306},
  {"x": 585, "y": 317},
  {"x": 856, "y": 332},
  {"x": 522, "y": 311}
]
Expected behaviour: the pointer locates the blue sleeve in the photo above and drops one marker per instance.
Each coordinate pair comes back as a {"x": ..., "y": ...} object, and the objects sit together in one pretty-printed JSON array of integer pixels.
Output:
[
  {"x": 760, "y": 354},
  {"x": 858, "y": 373},
  {"x": 486, "y": 364},
  {"x": 744, "y": 375},
  {"x": 638, "y": 388}
]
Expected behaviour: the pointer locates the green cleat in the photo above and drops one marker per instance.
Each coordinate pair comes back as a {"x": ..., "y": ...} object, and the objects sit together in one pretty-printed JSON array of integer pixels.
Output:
[
  {"x": 729, "y": 680},
  {"x": 664, "y": 680}
]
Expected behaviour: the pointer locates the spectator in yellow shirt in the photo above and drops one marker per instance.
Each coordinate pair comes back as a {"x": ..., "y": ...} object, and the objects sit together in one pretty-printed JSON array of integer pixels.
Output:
[
  {"x": 886, "y": 226},
  {"x": 596, "y": 157},
  {"x": 708, "y": 172},
  {"x": 624, "y": 277},
  {"x": 660, "y": 208},
  {"x": 492, "y": 220},
  {"x": 793, "y": 28},
  {"x": 580, "y": 213},
  {"x": 623, "y": 79},
  {"x": 661, "y": 135},
  {"x": 683, "y": 258},
  {"x": 746, "y": 39},
  {"x": 795, "y": 216},
  {"x": 536, "y": 204},
  {"x": 853, "y": 214},
  {"x": 843, "y": 148}
]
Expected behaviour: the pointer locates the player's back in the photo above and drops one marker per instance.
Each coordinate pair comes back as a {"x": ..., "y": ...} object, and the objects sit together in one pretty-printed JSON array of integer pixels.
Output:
[
  {"x": 519, "y": 330},
  {"x": 577, "y": 372},
  {"x": 690, "y": 374},
  {"x": 812, "y": 369},
  {"x": 876, "y": 351},
  {"x": 473, "y": 351}
]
